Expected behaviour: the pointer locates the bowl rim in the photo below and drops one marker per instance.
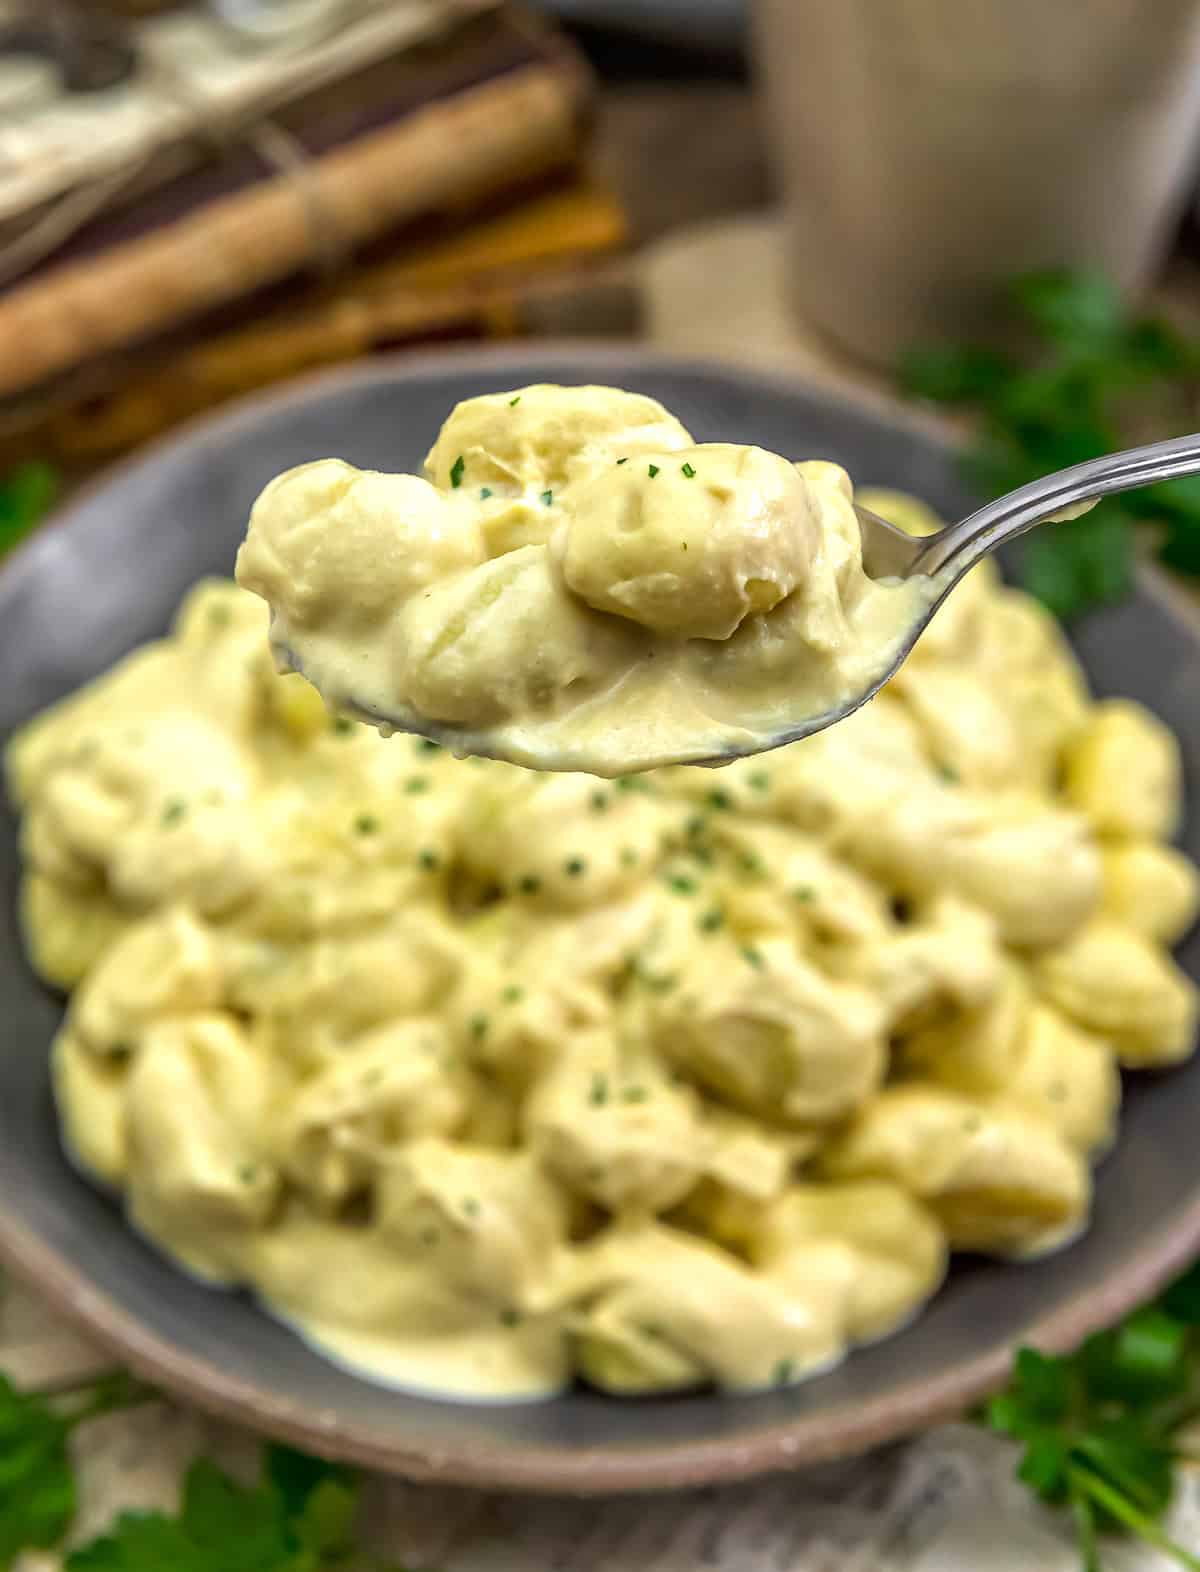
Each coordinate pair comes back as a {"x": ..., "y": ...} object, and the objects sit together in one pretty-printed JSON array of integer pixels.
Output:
[{"x": 844, "y": 1431}]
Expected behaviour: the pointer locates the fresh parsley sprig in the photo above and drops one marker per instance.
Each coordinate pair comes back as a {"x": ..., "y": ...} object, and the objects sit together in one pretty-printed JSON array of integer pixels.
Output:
[
  {"x": 27, "y": 493},
  {"x": 1090, "y": 378},
  {"x": 37, "y": 1484},
  {"x": 1100, "y": 1429},
  {"x": 298, "y": 1517}
]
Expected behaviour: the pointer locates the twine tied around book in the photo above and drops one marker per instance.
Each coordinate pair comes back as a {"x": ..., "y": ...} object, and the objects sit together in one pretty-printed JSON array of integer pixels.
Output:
[{"x": 282, "y": 153}]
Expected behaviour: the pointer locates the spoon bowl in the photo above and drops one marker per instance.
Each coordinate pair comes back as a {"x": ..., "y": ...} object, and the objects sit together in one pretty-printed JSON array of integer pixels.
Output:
[{"x": 933, "y": 564}]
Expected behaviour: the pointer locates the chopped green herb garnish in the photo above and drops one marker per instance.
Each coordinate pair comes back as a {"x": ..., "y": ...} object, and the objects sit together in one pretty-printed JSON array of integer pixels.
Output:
[
  {"x": 658, "y": 984},
  {"x": 633, "y": 783},
  {"x": 804, "y": 892},
  {"x": 653, "y": 471},
  {"x": 623, "y": 460},
  {"x": 752, "y": 865},
  {"x": 681, "y": 884},
  {"x": 759, "y": 780},
  {"x": 574, "y": 867},
  {"x": 513, "y": 994},
  {"x": 548, "y": 498},
  {"x": 783, "y": 1373},
  {"x": 174, "y": 811},
  {"x": 484, "y": 493},
  {"x": 949, "y": 774},
  {"x": 428, "y": 861},
  {"x": 688, "y": 470},
  {"x": 719, "y": 799},
  {"x": 695, "y": 825},
  {"x": 427, "y": 745},
  {"x": 366, "y": 824},
  {"x": 456, "y": 471},
  {"x": 529, "y": 884},
  {"x": 629, "y": 857},
  {"x": 246, "y": 1172},
  {"x": 599, "y": 801},
  {"x": 343, "y": 725},
  {"x": 753, "y": 957},
  {"x": 479, "y": 1027},
  {"x": 513, "y": 401},
  {"x": 598, "y": 1095},
  {"x": 510, "y": 1318},
  {"x": 634, "y": 1094},
  {"x": 415, "y": 784},
  {"x": 710, "y": 921}
]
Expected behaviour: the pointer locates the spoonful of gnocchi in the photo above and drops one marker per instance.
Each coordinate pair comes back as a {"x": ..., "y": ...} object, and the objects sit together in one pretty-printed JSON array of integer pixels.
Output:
[{"x": 574, "y": 584}]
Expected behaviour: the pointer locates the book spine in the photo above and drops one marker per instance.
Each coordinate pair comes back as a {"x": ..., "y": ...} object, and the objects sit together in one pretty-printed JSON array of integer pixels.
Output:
[{"x": 436, "y": 159}]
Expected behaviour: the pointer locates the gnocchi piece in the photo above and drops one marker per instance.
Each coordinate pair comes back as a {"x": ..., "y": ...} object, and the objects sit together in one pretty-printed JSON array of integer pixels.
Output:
[
  {"x": 998, "y": 1179},
  {"x": 489, "y": 1222},
  {"x": 166, "y": 965},
  {"x": 1020, "y": 1049},
  {"x": 1118, "y": 985},
  {"x": 404, "y": 532},
  {"x": 770, "y": 1034},
  {"x": 884, "y": 1244},
  {"x": 445, "y": 643},
  {"x": 386, "y": 1087},
  {"x": 949, "y": 961},
  {"x": 90, "y": 1093},
  {"x": 1123, "y": 771},
  {"x": 198, "y": 1107},
  {"x": 1035, "y": 869},
  {"x": 66, "y": 931},
  {"x": 660, "y": 1310},
  {"x": 547, "y": 437},
  {"x": 1150, "y": 887},
  {"x": 665, "y": 542},
  {"x": 618, "y": 1133}
]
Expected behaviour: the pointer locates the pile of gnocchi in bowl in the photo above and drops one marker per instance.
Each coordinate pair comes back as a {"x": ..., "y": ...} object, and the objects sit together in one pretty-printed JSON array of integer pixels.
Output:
[{"x": 486, "y": 1080}]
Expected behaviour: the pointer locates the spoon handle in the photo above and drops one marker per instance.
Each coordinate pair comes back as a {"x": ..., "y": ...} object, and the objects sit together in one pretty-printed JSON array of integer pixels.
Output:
[{"x": 962, "y": 545}]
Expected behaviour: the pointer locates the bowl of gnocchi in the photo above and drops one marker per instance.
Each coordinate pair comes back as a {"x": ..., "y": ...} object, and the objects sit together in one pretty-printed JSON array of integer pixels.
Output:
[{"x": 555, "y": 1132}]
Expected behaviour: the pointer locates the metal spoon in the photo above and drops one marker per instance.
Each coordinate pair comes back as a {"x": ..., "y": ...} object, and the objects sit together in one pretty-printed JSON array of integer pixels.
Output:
[
  {"x": 950, "y": 553},
  {"x": 941, "y": 559}
]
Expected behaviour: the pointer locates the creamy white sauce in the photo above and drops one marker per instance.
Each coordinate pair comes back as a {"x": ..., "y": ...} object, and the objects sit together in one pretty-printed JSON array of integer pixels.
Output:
[
  {"x": 576, "y": 585},
  {"x": 486, "y": 1079}
]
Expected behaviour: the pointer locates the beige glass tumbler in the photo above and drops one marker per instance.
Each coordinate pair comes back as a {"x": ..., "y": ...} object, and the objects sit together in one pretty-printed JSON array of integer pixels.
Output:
[{"x": 926, "y": 150}]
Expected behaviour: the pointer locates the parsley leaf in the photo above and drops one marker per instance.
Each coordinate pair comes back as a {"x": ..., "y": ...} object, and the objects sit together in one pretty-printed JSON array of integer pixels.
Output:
[
  {"x": 298, "y": 1518},
  {"x": 37, "y": 1487},
  {"x": 27, "y": 494},
  {"x": 1097, "y": 1428},
  {"x": 1091, "y": 378}
]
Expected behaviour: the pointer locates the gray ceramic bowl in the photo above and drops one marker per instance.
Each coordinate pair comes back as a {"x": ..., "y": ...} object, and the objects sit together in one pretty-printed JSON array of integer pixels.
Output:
[{"x": 108, "y": 574}]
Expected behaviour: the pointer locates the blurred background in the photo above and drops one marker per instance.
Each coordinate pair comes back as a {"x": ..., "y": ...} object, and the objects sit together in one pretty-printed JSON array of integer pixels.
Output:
[{"x": 987, "y": 210}]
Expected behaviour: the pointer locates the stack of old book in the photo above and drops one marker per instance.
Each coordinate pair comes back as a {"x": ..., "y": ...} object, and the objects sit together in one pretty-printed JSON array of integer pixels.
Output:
[{"x": 233, "y": 218}]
